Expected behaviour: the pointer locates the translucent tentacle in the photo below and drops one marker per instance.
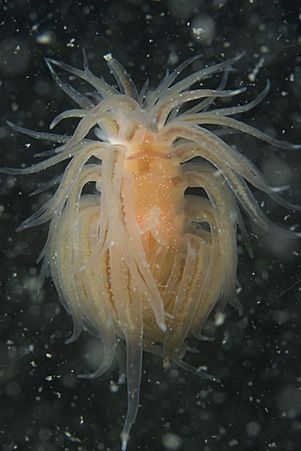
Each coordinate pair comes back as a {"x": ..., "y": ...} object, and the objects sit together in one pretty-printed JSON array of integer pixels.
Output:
[
  {"x": 229, "y": 167},
  {"x": 243, "y": 108},
  {"x": 219, "y": 153},
  {"x": 104, "y": 366},
  {"x": 197, "y": 371},
  {"x": 201, "y": 106},
  {"x": 215, "y": 119},
  {"x": 55, "y": 205},
  {"x": 76, "y": 96},
  {"x": 46, "y": 186},
  {"x": 143, "y": 92},
  {"x": 188, "y": 296},
  {"x": 50, "y": 137},
  {"x": 202, "y": 74},
  {"x": 250, "y": 205},
  {"x": 124, "y": 81},
  {"x": 163, "y": 108},
  {"x": 67, "y": 152},
  {"x": 67, "y": 115},
  {"x": 134, "y": 346},
  {"x": 153, "y": 96},
  {"x": 248, "y": 202},
  {"x": 104, "y": 88},
  {"x": 52, "y": 256},
  {"x": 245, "y": 235}
]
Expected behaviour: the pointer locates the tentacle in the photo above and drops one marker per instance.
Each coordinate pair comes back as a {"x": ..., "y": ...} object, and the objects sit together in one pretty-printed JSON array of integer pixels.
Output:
[
  {"x": 104, "y": 366},
  {"x": 245, "y": 235},
  {"x": 197, "y": 371},
  {"x": 58, "y": 258},
  {"x": 46, "y": 186},
  {"x": 202, "y": 74},
  {"x": 50, "y": 137},
  {"x": 89, "y": 173},
  {"x": 143, "y": 93},
  {"x": 129, "y": 309},
  {"x": 134, "y": 347},
  {"x": 243, "y": 108},
  {"x": 124, "y": 81},
  {"x": 67, "y": 115},
  {"x": 187, "y": 297},
  {"x": 164, "y": 107},
  {"x": 153, "y": 96},
  {"x": 56, "y": 204},
  {"x": 250, "y": 205},
  {"x": 43, "y": 164},
  {"x": 201, "y": 106},
  {"x": 222, "y": 156},
  {"x": 102, "y": 87},
  {"x": 222, "y": 222},
  {"x": 215, "y": 119},
  {"x": 76, "y": 96}
]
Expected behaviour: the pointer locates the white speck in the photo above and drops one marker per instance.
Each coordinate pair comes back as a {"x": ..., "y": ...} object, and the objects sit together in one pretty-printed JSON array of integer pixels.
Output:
[{"x": 71, "y": 42}]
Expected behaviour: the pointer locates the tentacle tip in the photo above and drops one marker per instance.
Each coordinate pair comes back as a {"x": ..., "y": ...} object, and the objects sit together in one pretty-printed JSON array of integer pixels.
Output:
[
  {"x": 11, "y": 124},
  {"x": 108, "y": 57},
  {"x": 83, "y": 376},
  {"x": 251, "y": 253},
  {"x": 241, "y": 54},
  {"x": 48, "y": 62},
  {"x": 22, "y": 226},
  {"x": 39, "y": 291},
  {"x": 124, "y": 441},
  {"x": 296, "y": 146},
  {"x": 70, "y": 340},
  {"x": 162, "y": 326}
]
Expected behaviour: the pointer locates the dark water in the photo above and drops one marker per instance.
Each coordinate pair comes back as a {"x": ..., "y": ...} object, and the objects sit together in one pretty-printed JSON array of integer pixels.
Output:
[{"x": 44, "y": 407}]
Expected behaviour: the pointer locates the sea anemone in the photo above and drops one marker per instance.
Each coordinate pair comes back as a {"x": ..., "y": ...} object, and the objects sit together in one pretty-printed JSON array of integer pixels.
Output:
[{"x": 138, "y": 259}]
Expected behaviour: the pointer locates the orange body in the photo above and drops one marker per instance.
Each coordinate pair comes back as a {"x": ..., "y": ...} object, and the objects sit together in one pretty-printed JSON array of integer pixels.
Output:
[{"x": 158, "y": 189}]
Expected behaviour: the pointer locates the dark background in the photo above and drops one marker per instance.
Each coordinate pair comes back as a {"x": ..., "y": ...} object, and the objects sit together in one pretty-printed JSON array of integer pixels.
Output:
[{"x": 43, "y": 406}]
